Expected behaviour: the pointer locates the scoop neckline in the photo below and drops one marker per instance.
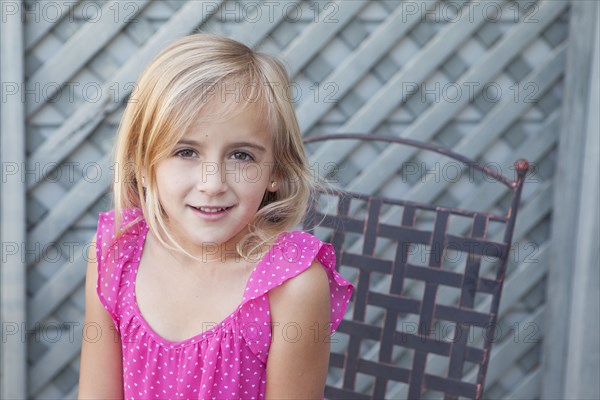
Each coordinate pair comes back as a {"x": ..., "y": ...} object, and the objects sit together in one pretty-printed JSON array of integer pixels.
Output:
[{"x": 199, "y": 337}]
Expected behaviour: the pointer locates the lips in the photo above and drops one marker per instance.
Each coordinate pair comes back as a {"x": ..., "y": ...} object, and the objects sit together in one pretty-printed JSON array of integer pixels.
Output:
[{"x": 212, "y": 211}]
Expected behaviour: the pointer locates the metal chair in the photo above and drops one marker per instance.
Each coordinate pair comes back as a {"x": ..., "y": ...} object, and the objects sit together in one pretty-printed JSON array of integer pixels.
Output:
[{"x": 416, "y": 327}]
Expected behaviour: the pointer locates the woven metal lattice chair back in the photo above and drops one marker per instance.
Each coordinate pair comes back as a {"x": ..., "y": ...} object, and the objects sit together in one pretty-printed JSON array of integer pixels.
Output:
[{"x": 420, "y": 323}]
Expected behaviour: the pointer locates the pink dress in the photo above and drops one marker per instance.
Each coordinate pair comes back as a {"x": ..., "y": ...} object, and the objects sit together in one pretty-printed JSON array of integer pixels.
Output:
[{"x": 227, "y": 361}]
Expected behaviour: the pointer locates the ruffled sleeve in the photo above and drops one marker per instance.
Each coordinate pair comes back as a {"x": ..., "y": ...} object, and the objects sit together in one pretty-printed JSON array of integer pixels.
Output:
[
  {"x": 293, "y": 253},
  {"x": 112, "y": 253}
]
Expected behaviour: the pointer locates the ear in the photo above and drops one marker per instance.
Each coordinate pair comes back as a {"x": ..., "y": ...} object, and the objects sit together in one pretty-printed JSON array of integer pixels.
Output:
[
  {"x": 273, "y": 185},
  {"x": 274, "y": 179}
]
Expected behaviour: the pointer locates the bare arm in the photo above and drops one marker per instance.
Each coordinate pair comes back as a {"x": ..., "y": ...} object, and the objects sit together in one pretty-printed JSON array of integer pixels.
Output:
[
  {"x": 101, "y": 369},
  {"x": 299, "y": 354}
]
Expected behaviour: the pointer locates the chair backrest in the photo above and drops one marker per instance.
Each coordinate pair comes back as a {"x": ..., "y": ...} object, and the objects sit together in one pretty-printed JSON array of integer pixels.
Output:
[{"x": 428, "y": 282}]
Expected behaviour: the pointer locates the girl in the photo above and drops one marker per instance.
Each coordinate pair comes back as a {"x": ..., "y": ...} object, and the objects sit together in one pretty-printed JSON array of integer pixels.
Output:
[{"x": 199, "y": 288}]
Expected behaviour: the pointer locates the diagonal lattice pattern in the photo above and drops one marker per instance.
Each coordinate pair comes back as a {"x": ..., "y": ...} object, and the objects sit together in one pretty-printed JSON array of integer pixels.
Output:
[{"x": 333, "y": 98}]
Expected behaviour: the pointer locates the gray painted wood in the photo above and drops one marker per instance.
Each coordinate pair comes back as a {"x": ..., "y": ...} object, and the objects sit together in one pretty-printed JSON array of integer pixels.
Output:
[
  {"x": 310, "y": 41},
  {"x": 506, "y": 354},
  {"x": 313, "y": 38},
  {"x": 583, "y": 362},
  {"x": 473, "y": 144},
  {"x": 482, "y": 136},
  {"x": 529, "y": 388},
  {"x": 439, "y": 114},
  {"x": 525, "y": 276},
  {"x": 355, "y": 66},
  {"x": 570, "y": 177},
  {"x": 53, "y": 14},
  {"x": 51, "y": 363},
  {"x": 73, "y": 205},
  {"x": 13, "y": 362},
  {"x": 80, "y": 48},
  {"x": 251, "y": 33},
  {"x": 69, "y": 277},
  {"x": 534, "y": 148},
  {"x": 508, "y": 111},
  {"x": 417, "y": 70}
]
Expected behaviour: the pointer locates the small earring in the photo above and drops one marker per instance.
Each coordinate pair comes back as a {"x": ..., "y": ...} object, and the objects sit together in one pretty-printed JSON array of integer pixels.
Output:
[
  {"x": 273, "y": 184},
  {"x": 143, "y": 181}
]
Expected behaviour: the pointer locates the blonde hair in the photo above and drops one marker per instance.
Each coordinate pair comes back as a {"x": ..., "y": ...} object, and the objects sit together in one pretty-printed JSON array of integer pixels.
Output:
[{"x": 169, "y": 98}]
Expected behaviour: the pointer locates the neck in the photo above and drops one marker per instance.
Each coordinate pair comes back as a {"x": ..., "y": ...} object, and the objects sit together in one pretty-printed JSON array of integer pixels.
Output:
[{"x": 211, "y": 256}]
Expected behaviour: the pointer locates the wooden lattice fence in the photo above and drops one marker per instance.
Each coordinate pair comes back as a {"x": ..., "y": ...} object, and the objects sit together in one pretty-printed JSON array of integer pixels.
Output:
[{"x": 484, "y": 78}]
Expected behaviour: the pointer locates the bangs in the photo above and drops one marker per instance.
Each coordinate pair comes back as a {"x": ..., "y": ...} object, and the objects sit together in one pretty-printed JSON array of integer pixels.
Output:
[{"x": 215, "y": 102}]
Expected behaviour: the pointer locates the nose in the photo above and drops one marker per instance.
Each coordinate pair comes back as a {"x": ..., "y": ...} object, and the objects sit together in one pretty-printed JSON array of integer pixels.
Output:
[{"x": 212, "y": 180}]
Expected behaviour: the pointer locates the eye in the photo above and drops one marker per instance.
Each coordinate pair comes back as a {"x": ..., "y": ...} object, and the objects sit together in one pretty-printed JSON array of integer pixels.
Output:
[
  {"x": 242, "y": 156},
  {"x": 185, "y": 153}
]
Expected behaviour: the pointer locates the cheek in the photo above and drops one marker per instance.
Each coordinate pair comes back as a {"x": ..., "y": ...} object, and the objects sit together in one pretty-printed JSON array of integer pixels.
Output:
[
  {"x": 255, "y": 174},
  {"x": 168, "y": 187},
  {"x": 252, "y": 174},
  {"x": 170, "y": 175}
]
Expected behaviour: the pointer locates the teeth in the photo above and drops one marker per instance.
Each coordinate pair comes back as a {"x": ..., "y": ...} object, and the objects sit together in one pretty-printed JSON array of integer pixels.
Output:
[{"x": 211, "y": 210}]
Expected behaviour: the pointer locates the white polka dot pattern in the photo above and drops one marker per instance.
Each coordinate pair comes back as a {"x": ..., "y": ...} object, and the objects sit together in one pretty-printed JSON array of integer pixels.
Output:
[{"x": 225, "y": 362}]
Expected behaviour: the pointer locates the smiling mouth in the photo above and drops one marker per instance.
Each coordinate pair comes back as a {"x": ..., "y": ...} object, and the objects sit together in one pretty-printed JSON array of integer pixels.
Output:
[{"x": 212, "y": 210}]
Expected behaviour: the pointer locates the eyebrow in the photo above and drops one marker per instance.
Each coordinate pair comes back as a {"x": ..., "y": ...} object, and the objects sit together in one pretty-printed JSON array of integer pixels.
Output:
[{"x": 254, "y": 146}]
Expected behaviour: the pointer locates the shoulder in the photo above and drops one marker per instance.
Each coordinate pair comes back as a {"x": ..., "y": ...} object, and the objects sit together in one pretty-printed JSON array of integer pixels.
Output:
[
  {"x": 300, "y": 321},
  {"x": 305, "y": 251},
  {"x": 309, "y": 281},
  {"x": 302, "y": 247},
  {"x": 304, "y": 297},
  {"x": 127, "y": 219},
  {"x": 115, "y": 249}
]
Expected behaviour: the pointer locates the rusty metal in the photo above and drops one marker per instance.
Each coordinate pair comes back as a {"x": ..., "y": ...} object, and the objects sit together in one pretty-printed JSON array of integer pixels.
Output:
[{"x": 395, "y": 305}]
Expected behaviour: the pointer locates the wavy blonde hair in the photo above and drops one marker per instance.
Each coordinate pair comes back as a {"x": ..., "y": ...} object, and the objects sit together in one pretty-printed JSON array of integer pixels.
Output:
[{"x": 172, "y": 94}]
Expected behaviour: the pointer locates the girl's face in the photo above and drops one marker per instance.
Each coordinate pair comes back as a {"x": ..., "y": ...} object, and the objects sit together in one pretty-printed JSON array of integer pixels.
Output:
[{"x": 212, "y": 183}]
